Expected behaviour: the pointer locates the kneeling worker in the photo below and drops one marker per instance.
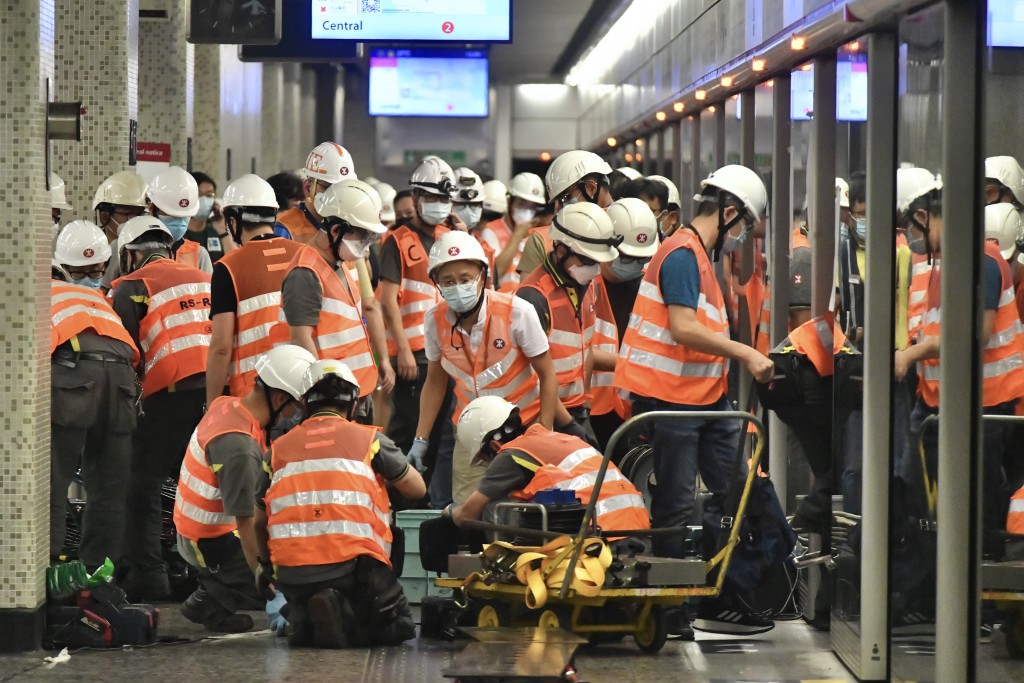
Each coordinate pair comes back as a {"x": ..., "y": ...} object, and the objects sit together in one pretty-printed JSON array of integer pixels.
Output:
[
  {"x": 214, "y": 507},
  {"x": 524, "y": 461},
  {"x": 325, "y": 526}
]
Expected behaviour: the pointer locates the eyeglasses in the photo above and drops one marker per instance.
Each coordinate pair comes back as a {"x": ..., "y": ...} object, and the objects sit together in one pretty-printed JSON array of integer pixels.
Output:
[
  {"x": 130, "y": 211},
  {"x": 626, "y": 260},
  {"x": 451, "y": 281},
  {"x": 585, "y": 260},
  {"x": 87, "y": 273}
]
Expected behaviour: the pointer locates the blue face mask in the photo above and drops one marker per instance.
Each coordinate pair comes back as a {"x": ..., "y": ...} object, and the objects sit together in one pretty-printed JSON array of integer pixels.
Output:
[
  {"x": 205, "y": 208},
  {"x": 177, "y": 226},
  {"x": 86, "y": 281},
  {"x": 461, "y": 297},
  {"x": 918, "y": 245},
  {"x": 861, "y": 228},
  {"x": 627, "y": 272}
]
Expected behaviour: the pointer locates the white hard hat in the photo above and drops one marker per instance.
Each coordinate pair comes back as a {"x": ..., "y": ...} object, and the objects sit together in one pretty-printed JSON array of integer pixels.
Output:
[
  {"x": 673, "y": 191},
  {"x": 329, "y": 162},
  {"x": 469, "y": 189},
  {"x": 633, "y": 220},
  {"x": 283, "y": 367},
  {"x": 324, "y": 368},
  {"x": 57, "y": 271},
  {"x": 1008, "y": 172},
  {"x": 527, "y": 186},
  {"x": 587, "y": 230},
  {"x": 913, "y": 183},
  {"x": 1002, "y": 225},
  {"x": 455, "y": 246},
  {"x": 174, "y": 191},
  {"x": 630, "y": 173},
  {"x": 495, "y": 198},
  {"x": 481, "y": 417},
  {"x": 354, "y": 202},
  {"x": 387, "y": 201},
  {"x": 249, "y": 190},
  {"x": 433, "y": 175},
  {"x": 742, "y": 183},
  {"x": 125, "y": 188},
  {"x": 372, "y": 182},
  {"x": 843, "y": 189},
  {"x": 81, "y": 243},
  {"x": 134, "y": 228},
  {"x": 571, "y": 167},
  {"x": 58, "y": 200}
]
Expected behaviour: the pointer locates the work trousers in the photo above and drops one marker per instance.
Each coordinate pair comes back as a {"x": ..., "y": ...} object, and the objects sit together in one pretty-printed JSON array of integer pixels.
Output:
[
  {"x": 682, "y": 448},
  {"x": 93, "y": 414},
  {"x": 225, "y": 579},
  {"x": 405, "y": 414},
  {"x": 161, "y": 438}
]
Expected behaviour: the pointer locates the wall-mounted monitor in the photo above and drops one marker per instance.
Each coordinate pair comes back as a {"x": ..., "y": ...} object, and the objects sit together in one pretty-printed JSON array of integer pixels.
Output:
[
  {"x": 1006, "y": 23},
  {"x": 295, "y": 44},
  {"x": 460, "y": 21},
  {"x": 428, "y": 83},
  {"x": 851, "y": 90}
]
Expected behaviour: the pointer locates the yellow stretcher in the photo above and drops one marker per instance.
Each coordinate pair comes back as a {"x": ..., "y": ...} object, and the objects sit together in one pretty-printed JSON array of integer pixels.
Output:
[{"x": 606, "y": 613}]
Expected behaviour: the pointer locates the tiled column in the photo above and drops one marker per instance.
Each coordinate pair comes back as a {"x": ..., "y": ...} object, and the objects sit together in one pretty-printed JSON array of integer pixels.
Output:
[
  {"x": 206, "y": 155},
  {"x": 272, "y": 121},
  {"x": 295, "y": 146},
  {"x": 96, "y": 61},
  {"x": 166, "y": 82},
  {"x": 26, "y": 61}
]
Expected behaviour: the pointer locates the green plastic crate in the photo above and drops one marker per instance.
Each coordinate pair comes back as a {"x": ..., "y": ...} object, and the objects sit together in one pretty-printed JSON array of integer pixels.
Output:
[{"x": 416, "y": 581}]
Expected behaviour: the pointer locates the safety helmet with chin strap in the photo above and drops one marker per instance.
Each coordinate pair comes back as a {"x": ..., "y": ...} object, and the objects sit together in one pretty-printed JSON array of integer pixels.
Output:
[{"x": 740, "y": 183}]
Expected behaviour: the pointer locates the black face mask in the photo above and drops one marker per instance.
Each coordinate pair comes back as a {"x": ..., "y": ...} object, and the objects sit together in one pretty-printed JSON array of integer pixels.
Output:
[{"x": 723, "y": 226}]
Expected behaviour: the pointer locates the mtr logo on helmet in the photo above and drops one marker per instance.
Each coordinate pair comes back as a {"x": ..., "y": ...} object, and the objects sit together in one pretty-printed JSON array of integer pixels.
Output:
[
  {"x": 88, "y": 253},
  {"x": 641, "y": 238},
  {"x": 184, "y": 203},
  {"x": 453, "y": 251}
]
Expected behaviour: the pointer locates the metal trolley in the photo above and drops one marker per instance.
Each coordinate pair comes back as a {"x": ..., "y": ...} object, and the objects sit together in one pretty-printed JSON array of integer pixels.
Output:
[{"x": 614, "y": 612}]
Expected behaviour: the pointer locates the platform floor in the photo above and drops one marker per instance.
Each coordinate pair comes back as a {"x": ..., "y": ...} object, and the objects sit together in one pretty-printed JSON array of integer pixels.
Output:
[{"x": 791, "y": 652}]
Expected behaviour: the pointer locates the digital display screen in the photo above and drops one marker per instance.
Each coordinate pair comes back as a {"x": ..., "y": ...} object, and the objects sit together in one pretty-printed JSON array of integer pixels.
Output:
[
  {"x": 459, "y": 21},
  {"x": 851, "y": 90},
  {"x": 1006, "y": 23},
  {"x": 428, "y": 83}
]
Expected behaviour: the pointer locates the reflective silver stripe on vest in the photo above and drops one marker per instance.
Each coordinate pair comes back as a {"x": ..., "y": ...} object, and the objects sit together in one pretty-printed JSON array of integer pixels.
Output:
[
  {"x": 420, "y": 288},
  {"x": 709, "y": 310},
  {"x": 673, "y": 367},
  {"x": 651, "y": 291},
  {"x": 1007, "y": 297},
  {"x": 651, "y": 331},
  {"x": 420, "y": 306},
  {"x": 1003, "y": 338},
  {"x": 323, "y": 528},
  {"x": 346, "y": 465},
  {"x": 172, "y": 293},
  {"x": 63, "y": 315},
  {"x": 507, "y": 390},
  {"x": 176, "y": 345},
  {"x": 195, "y": 316},
  {"x": 338, "y": 307},
  {"x": 570, "y": 390},
  {"x": 605, "y": 328},
  {"x": 259, "y": 302},
  {"x": 201, "y": 516},
  {"x": 622, "y": 501},
  {"x": 335, "y": 339},
  {"x": 497, "y": 370},
  {"x": 255, "y": 334},
  {"x": 918, "y": 296},
  {"x": 461, "y": 377},
  {"x": 570, "y": 461},
  {"x": 997, "y": 368},
  {"x": 414, "y": 331},
  {"x": 1017, "y": 505},
  {"x": 528, "y": 398},
  {"x": 602, "y": 379},
  {"x": 586, "y": 481},
  {"x": 327, "y": 497},
  {"x": 568, "y": 364},
  {"x": 563, "y": 338}
]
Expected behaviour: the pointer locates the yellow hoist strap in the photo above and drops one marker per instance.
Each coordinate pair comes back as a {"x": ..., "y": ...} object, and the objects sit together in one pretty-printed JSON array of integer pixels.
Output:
[{"x": 541, "y": 569}]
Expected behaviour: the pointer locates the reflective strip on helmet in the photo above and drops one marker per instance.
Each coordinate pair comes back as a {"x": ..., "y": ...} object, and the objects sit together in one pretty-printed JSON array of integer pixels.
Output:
[
  {"x": 66, "y": 313},
  {"x": 338, "y": 307},
  {"x": 623, "y": 501},
  {"x": 259, "y": 302},
  {"x": 200, "y": 516},
  {"x": 568, "y": 364},
  {"x": 419, "y": 287},
  {"x": 345, "y": 465},
  {"x": 577, "y": 457},
  {"x": 255, "y": 334},
  {"x": 420, "y": 306},
  {"x": 563, "y": 338},
  {"x": 178, "y": 292},
  {"x": 330, "y": 341},
  {"x": 673, "y": 367},
  {"x": 571, "y": 390},
  {"x": 326, "y": 497}
]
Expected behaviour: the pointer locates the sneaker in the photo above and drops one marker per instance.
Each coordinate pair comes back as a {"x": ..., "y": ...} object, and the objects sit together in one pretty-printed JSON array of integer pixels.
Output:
[
  {"x": 677, "y": 620},
  {"x": 717, "y": 616},
  {"x": 985, "y": 635},
  {"x": 324, "y": 611},
  {"x": 913, "y": 623}
]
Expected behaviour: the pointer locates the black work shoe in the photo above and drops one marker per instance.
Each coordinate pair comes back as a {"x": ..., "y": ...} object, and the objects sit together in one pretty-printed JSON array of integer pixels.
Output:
[
  {"x": 200, "y": 609},
  {"x": 299, "y": 630},
  {"x": 677, "y": 621},
  {"x": 717, "y": 616},
  {"x": 324, "y": 611},
  {"x": 196, "y": 608},
  {"x": 226, "y": 622}
]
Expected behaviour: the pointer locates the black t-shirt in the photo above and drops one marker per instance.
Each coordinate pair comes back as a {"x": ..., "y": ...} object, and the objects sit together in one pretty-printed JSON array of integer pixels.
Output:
[
  {"x": 222, "y": 286},
  {"x": 622, "y": 296},
  {"x": 209, "y": 238},
  {"x": 504, "y": 475}
]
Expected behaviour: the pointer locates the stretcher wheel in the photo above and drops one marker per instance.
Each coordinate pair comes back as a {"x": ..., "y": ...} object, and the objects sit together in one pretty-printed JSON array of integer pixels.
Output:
[
  {"x": 1013, "y": 633},
  {"x": 555, "y": 617},
  {"x": 493, "y": 615},
  {"x": 652, "y": 632}
]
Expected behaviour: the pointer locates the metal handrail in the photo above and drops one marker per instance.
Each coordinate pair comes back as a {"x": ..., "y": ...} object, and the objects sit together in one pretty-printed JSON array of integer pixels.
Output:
[{"x": 577, "y": 546}]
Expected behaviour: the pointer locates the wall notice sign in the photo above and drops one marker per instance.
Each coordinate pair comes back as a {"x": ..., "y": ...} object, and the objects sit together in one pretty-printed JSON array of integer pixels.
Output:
[{"x": 153, "y": 152}]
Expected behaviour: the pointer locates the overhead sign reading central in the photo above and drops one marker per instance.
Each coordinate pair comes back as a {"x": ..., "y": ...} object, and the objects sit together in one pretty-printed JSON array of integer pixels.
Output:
[{"x": 449, "y": 20}]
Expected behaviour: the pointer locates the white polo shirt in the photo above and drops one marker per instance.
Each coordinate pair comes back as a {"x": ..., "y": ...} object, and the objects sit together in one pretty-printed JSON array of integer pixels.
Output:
[{"x": 527, "y": 332}]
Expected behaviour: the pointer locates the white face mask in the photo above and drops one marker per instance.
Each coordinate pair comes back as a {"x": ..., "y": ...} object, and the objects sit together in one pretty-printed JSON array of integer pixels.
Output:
[
  {"x": 434, "y": 213},
  {"x": 468, "y": 214},
  {"x": 523, "y": 214},
  {"x": 584, "y": 274},
  {"x": 359, "y": 248},
  {"x": 461, "y": 297}
]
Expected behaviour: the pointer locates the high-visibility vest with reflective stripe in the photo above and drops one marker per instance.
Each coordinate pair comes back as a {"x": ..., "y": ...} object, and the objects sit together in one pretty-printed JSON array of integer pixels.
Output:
[
  {"x": 75, "y": 309},
  {"x": 755, "y": 292},
  {"x": 187, "y": 253},
  {"x": 491, "y": 255},
  {"x": 340, "y": 333},
  {"x": 257, "y": 269},
  {"x": 198, "y": 504},
  {"x": 920, "y": 273},
  {"x": 651, "y": 363},
  {"x": 569, "y": 463},
  {"x": 500, "y": 368},
  {"x": 501, "y": 232},
  {"x": 1002, "y": 359},
  {"x": 604, "y": 397},
  {"x": 1015, "y": 517},
  {"x": 819, "y": 339},
  {"x": 325, "y": 504},
  {"x": 417, "y": 293},
  {"x": 569, "y": 336},
  {"x": 175, "y": 332},
  {"x": 297, "y": 224}
]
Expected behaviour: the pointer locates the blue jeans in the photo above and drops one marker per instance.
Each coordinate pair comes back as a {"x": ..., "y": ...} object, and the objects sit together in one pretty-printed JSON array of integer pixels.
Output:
[{"x": 682, "y": 447}]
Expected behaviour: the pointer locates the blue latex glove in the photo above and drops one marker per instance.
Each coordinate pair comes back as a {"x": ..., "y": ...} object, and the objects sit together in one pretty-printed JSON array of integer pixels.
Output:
[
  {"x": 417, "y": 453},
  {"x": 275, "y": 620}
]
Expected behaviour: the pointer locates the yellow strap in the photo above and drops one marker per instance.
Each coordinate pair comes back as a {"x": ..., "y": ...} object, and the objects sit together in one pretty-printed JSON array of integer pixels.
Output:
[
  {"x": 543, "y": 569},
  {"x": 75, "y": 346}
]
